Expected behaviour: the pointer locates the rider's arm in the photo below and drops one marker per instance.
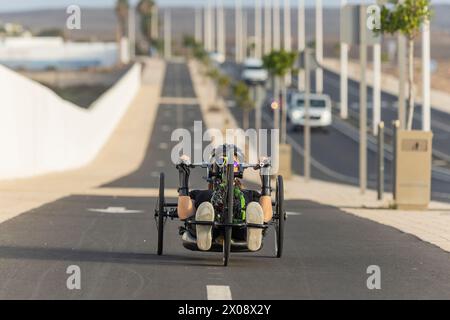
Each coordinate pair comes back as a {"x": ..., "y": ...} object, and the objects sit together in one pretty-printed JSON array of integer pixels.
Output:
[{"x": 185, "y": 207}]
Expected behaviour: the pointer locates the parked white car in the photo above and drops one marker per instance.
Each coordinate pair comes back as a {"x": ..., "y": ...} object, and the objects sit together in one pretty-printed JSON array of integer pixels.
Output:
[
  {"x": 319, "y": 111},
  {"x": 254, "y": 72}
]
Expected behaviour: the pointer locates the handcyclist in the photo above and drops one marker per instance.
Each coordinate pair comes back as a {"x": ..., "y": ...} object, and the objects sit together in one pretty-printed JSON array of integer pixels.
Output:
[{"x": 251, "y": 206}]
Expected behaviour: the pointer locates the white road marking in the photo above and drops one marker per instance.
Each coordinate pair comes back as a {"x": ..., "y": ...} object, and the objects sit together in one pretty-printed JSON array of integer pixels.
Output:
[
  {"x": 129, "y": 192},
  {"x": 178, "y": 101},
  {"x": 155, "y": 174},
  {"x": 115, "y": 210},
  {"x": 218, "y": 292},
  {"x": 160, "y": 164},
  {"x": 289, "y": 213},
  {"x": 163, "y": 146}
]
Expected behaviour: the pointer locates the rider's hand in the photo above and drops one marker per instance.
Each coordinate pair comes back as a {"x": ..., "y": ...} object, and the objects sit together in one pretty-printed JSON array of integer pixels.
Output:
[{"x": 264, "y": 164}]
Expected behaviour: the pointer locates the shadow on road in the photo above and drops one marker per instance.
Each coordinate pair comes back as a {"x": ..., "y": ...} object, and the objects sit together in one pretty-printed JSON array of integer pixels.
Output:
[{"x": 63, "y": 254}]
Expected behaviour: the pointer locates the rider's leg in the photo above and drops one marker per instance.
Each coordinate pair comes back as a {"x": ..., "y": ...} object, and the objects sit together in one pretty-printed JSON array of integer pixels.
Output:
[
  {"x": 205, "y": 212},
  {"x": 254, "y": 215},
  {"x": 266, "y": 204},
  {"x": 266, "y": 200},
  {"x": 185, "y": 207}
]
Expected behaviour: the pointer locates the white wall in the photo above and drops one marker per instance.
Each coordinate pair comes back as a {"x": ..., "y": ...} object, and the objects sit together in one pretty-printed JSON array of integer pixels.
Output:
[
  {"x": 41, "y": 133},
  {"x": 53, "y": 51}
]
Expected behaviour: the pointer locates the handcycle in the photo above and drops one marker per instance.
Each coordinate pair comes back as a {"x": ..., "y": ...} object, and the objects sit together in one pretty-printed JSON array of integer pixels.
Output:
[{"x": 168, "y": 210}]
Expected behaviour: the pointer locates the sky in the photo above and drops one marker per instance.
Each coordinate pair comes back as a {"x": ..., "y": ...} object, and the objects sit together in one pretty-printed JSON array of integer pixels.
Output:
[{"x": 19, "y": 5}]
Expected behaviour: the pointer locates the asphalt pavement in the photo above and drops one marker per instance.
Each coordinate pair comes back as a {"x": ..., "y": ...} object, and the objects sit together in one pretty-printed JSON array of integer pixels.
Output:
[{"x": 327, "y": 252}]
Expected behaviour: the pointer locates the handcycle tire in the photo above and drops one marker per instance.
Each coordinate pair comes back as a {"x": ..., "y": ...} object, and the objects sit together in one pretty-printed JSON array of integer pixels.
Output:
[
  {"x": 161, "y": 203},
  {"x": 229, "y": 217},
  {"x": 281, "y": 217}
]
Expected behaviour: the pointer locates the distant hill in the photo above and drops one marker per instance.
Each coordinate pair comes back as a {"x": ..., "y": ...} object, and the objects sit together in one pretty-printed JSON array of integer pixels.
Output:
[{"x": 101, "y": 24}]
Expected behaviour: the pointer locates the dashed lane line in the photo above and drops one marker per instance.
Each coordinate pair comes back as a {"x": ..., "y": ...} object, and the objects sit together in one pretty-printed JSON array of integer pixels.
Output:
[{"x": 214, "y": 292}]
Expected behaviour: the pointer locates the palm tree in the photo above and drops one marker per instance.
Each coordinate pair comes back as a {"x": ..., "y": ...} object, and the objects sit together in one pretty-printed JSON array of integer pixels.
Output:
[
  {"x": 122, "y": 7},
  {"x": 145, "y": 9},
  {"x": 279, "y": 63},
  {"x": 242, "y": 95},
  {"x": 406, "y": 17}
]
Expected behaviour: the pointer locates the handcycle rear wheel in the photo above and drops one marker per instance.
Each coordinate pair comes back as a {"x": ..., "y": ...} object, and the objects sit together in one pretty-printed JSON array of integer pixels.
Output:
[
  {"x": 160, "y": 221},
  {"x": 280, "y": 217}
]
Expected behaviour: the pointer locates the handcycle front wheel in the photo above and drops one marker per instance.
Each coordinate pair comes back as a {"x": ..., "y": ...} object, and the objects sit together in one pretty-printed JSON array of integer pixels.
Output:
[
  {"x": 160, "y": 220},
  {"x": 229, "y": 216}
]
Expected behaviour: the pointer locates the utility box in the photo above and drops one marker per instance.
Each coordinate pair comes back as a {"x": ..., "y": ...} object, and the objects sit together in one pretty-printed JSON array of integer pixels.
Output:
[
  {"x": 413, "y": 169},
  {"x": 285, "y": 161}
]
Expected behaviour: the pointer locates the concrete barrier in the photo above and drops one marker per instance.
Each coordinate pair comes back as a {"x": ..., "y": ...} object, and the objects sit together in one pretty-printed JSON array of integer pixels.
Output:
[
  {"x": 40, "y": 53},
  {"x": 42, "y": 133}
]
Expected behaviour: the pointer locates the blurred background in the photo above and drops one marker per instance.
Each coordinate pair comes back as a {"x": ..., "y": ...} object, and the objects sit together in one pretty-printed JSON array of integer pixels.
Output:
[{"x": 25, "y": 24}]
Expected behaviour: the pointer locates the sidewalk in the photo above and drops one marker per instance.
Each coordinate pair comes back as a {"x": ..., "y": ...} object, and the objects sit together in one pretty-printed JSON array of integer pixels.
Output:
[
  {"x": 118, "y": 157},
  {"x": 432, "y": 225}
]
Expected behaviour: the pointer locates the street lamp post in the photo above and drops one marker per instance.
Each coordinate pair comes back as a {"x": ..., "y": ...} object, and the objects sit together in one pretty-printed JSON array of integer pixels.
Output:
[
  {"x": 238, "y": 30},
  {"x": 205, "y": 28},
  {"x": 276, "y": 113},
  {"x": 155, "y": 23},
  {"x": 167, "y": 35},
  {"x": 287, "y": 35},
  {"x": 426, "y": 125},
  {"x": 244, "y": 33},
  {"x": 344, "y": 71},
  {"x": 258, "y": 51},
  {"x": 301, "y": 41},
  {"x": 401, "y": 53},
  {"x": 198, "y": 25},
  {"x": 212, "y": 25},
  {"x": 319, "y": 45},
  {"x": 132, "y": 31},
  {"x": 259, "y": 93},
  {"x": 209, "y": 27},
  {"x": 221, "y": 48},
  {"x": 376, "y": 104},
  {"x": 267, "y": 26},
  {"x": 306, "y": 127},
  {"x": 363, "y": 102},
  {"x": 287, "y": 26},
  {"x": 276, "y": 25}
]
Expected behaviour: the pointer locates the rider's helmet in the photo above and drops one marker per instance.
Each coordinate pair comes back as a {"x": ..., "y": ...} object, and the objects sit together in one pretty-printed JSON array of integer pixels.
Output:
[{"x": 220, "y": 155}]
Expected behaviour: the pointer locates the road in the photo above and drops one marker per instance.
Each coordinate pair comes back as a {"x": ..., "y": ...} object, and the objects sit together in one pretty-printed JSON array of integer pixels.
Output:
[
  {"x": 335, "y": 154},
  {"x": 439, "y": 119},
  {"x": 327, "y": 252}
]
